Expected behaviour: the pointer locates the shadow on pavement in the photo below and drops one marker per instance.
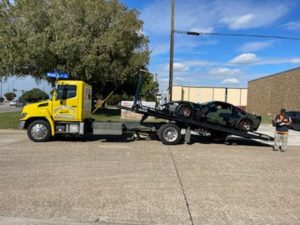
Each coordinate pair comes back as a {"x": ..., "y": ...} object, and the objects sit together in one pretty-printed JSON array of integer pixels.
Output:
[
  {"x": 228, "y": 141},
  {"x": 134, "y": 137}
]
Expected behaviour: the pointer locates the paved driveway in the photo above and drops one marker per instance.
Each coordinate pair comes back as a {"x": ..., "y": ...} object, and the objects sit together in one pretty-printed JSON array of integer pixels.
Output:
[
  {"x": 7, "y": 108},
  {"x": 144, "y": 182}
]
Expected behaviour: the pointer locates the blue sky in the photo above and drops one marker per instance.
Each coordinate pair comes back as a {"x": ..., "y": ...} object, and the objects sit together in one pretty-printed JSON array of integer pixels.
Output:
[
  {"x": 211, "y": 60},
  {"x": 221, "y": 61}
]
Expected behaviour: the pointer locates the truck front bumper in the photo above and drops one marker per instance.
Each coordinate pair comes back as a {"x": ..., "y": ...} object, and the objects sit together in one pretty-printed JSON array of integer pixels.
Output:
[{"x": 21, "y": 125}]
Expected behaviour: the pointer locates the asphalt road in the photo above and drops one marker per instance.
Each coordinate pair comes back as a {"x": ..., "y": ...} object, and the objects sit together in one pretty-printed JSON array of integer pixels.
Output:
[
  {"x": 144, "y": 182},
  {"x": 5, "y": 107}
]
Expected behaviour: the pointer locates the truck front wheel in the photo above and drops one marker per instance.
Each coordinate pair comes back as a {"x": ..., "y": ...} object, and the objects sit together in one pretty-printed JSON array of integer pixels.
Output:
[
  {"x": 169, "y": 134},
  {"x": 39, "y": 131}
]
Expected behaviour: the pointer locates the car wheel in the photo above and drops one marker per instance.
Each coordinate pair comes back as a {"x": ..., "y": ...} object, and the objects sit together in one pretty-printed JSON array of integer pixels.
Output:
[
  {"x": 245, "y": 125},
  {"x": 170, "y": 134},
  {"x": 39, "y": 131},
  {"x": 184, "y": 110}
]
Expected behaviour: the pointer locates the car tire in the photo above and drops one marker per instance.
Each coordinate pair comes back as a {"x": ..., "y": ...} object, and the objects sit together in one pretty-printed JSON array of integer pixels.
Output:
[
  {"x": 39, "y": 131},
  {"x": 170, "y": 134},
  {"x": 184, "y": 110},
  {"x": 245, "y": 125}
]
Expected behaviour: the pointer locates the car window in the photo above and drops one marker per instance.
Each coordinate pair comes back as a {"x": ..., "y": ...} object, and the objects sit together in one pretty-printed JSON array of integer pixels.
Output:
[
  {"x": 224, "y": 106},
  {"x": 66, "y": 91},
  {"x": 291, "y": 114}
]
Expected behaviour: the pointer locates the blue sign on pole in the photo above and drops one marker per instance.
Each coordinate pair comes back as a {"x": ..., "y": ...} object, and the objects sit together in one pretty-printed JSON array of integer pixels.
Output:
[{"x": 58, "y": 75}]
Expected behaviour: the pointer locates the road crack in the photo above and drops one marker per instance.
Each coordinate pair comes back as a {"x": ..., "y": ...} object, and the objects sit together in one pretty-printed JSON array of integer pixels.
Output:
[{"x": 181, "y": 186}]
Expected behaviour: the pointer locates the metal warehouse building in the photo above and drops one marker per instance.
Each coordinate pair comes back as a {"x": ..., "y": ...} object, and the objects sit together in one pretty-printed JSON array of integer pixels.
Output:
[
  {"x": 235, "y": 96},
  {"x": 267, "y": 95}
]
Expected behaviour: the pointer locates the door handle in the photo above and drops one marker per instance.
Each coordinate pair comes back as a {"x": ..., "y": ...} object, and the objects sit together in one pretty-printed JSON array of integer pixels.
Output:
[{"x": 74, "y": 106}]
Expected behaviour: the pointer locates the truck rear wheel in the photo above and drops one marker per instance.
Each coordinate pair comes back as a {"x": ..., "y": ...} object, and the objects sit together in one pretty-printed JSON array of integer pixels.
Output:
[
  {"x": 39, "y": 131},
  {"x": 170, "y": 134}
]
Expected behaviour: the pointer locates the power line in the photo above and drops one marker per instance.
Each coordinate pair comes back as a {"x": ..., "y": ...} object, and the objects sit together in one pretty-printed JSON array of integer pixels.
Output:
[{"x": 237, "y": 35}]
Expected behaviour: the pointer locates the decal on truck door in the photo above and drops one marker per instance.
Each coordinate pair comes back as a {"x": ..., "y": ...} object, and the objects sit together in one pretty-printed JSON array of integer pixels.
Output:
[
  {"x": 65, "y": 106},
  {"x": 64, "y": 111}
]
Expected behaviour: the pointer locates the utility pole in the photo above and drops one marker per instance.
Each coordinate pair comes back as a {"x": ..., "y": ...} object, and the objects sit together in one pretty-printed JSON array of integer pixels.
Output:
[
  {"x": 171, "y": 51},
  {"x": 1, "y": 88}
]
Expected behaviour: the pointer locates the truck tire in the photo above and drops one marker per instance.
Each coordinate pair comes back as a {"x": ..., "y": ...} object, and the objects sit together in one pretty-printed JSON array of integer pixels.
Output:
[
  {"x": 39, "y": 131},
  {"x": 170, "y": 134}
]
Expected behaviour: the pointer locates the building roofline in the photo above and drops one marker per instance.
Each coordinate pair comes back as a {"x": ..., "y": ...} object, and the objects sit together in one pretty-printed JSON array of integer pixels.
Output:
[
  {"x": 276, "y": 74},
  {"x": 191, "y": 86}
]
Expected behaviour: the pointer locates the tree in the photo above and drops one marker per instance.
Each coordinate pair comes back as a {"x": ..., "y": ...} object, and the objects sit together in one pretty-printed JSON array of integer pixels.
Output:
[
  {"x": 10, "y": 96},
  {"x": 34, "y": 95},
  {"x": 97, "y": 41},
  {"x": 150, "y": 88},
  {"x": 127, "y": 90}
]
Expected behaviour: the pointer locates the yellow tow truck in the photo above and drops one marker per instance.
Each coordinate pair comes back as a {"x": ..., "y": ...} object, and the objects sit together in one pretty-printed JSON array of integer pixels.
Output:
[{"x": 68, "y": 112}]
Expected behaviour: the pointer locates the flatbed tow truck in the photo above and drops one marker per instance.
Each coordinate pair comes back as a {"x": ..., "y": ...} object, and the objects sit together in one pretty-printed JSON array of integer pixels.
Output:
[{"x": 69, "y": 113}]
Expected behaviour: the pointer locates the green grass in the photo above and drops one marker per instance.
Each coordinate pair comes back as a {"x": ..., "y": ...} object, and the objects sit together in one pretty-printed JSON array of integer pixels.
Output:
[
  {"x": 266, "y": 120},
  {"x": 108, "y": 115},
  {"x": 9, "y": 120}
]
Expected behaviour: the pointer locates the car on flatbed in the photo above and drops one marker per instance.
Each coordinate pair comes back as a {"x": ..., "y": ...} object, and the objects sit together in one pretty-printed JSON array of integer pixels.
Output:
[{"x": 215, "y": 112}]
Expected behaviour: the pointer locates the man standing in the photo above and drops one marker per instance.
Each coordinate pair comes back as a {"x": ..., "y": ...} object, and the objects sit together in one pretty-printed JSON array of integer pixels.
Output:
[{"x": 282, "y": 122}]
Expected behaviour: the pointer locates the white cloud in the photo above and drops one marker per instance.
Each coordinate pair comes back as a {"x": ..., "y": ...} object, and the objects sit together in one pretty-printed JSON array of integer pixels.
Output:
[
  {"x": 182, "y": 44},
  {"x": 198, "y": 63},
  {"x": 179, "y": 78},
  {"x": 295, "y": 60},
  {"x": 239, "y": 22},
  {"x": 256, "y": 46},
  {"x": 259, "y": 14},
  {"x": 292, "y": 25},
  {"x": 245, "y": 59},
  {"x": 205, "y": 15},
  {"x": 178, "y": 67},
  {"x": 223, "y": 71},
  {"x": 270, "y": 61},
  {"x": 203, "y": 29},
  {"x": 231, "y": 81}
]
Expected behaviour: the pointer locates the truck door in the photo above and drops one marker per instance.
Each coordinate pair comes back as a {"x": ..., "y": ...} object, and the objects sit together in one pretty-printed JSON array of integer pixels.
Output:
[{"x": 66, "y": 103}]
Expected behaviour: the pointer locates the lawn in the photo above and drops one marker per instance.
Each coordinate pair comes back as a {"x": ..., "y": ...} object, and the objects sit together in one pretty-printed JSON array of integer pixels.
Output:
[
  {"x": 108, "y": 115},
  {"x": 266, "y": 120},
  {"x": 9, "y": 120}
]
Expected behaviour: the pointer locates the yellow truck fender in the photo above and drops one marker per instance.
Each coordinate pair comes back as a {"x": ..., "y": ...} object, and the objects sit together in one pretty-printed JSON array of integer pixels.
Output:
[{"x": 51, "y": 122}]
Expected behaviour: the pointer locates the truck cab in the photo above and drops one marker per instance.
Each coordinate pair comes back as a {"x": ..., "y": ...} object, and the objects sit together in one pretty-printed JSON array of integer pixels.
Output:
[{"x": 68, "y": 112}]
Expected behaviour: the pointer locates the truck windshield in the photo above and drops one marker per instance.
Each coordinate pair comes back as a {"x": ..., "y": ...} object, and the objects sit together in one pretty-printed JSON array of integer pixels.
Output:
[{"x": 66, "y": 91}]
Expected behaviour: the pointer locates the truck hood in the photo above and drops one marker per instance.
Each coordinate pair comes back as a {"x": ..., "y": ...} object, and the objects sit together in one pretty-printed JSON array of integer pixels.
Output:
[{"x": 36, "y": 106}]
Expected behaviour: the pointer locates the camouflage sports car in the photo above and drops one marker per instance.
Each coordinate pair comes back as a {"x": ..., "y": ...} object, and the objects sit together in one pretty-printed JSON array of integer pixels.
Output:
[{"x": 215, "y": 112}]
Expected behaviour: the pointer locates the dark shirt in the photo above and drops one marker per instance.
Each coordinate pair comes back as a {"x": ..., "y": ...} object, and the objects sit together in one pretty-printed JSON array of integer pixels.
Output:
[{"x": 282, "y": 128}]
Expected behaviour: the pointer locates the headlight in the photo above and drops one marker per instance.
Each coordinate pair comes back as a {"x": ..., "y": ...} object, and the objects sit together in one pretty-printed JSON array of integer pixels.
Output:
[{"x": 23, "y": 115}]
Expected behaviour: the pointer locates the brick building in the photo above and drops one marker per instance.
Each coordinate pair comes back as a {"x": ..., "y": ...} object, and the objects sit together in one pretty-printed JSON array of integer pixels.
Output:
[{"x": 267, "y": 95}]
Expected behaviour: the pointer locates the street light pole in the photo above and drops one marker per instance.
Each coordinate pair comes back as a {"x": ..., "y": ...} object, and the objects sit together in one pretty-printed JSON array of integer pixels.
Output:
[
  {"x": 171, "y": 51},
  {"x": 1, "y": 88}
]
